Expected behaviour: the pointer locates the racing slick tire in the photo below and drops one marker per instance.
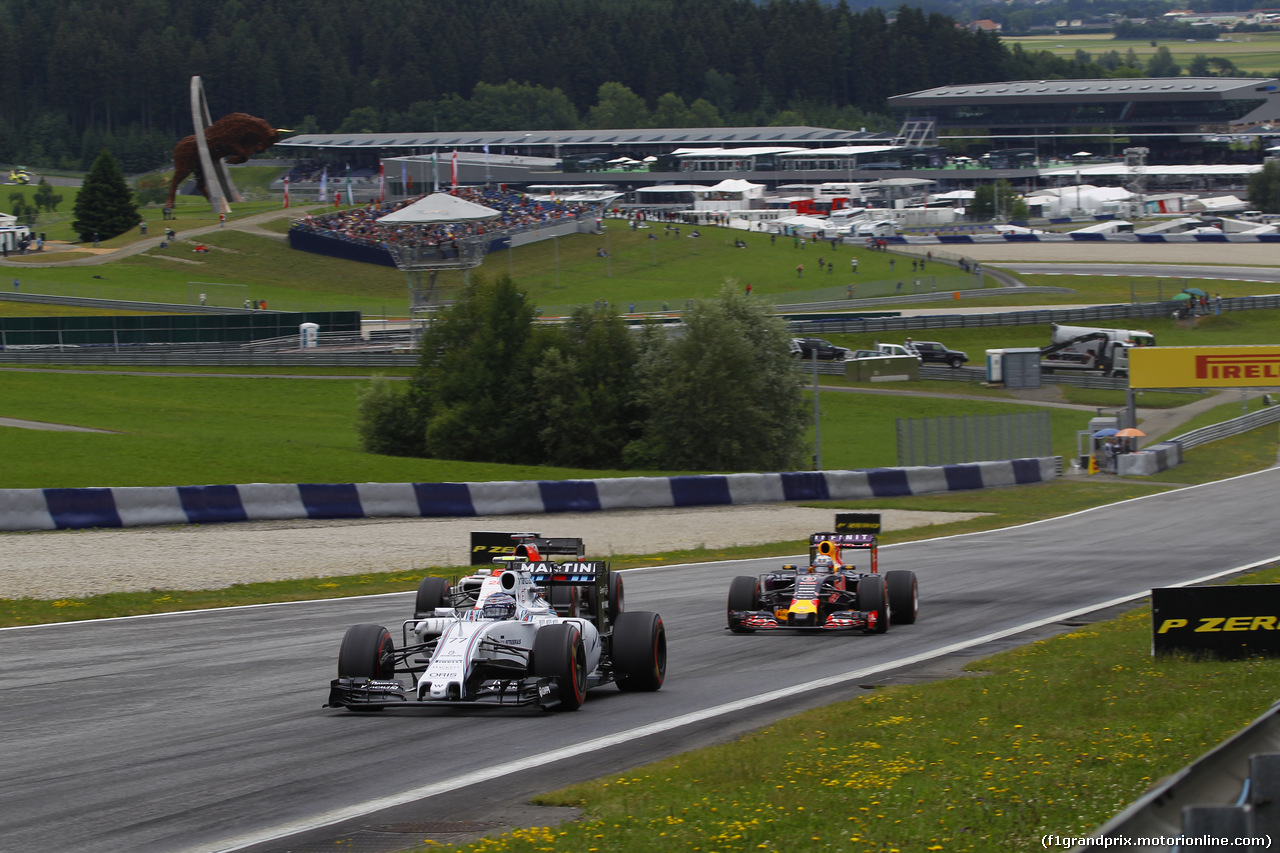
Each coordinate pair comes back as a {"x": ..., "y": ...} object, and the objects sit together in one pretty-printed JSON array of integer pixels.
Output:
[
  {"x": 744, "y": 594},
  {"x": 432, "y": 593},
  {"x": 872, "y": 598},
  {"x": 615, "y": 596},
  {"x": 904, "y": 596},
  {"x": 591, "y": 600},
  {"x": 558, "y": 653},
  {"x": 367, "y": 651},
  {"x": 639, "y": 649},
  {"x": 564, "y": 600}
]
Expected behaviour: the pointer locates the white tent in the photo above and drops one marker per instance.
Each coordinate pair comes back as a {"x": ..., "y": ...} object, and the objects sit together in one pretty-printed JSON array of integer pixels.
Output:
[
  {"x": 737, "y": 186},
  {"x": 1218, "y": 204},
  {"x": 804, "y": 223},
  {"x": 440, "y": 207}
]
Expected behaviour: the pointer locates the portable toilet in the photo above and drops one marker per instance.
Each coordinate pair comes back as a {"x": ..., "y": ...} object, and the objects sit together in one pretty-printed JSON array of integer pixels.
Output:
[
  {"x": 310, "y": 333},
  {"x": 995, "y": 366}
]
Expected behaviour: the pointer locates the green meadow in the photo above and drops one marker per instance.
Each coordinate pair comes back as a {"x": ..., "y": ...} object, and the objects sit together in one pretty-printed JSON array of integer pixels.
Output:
[{"x": 1252, "y": 53}]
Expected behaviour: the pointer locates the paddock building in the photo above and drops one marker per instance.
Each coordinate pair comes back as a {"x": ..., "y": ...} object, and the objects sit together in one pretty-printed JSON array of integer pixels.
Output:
[
  {"x": 1031, "y": 133},
  {"x": 1177, "y": 119}
]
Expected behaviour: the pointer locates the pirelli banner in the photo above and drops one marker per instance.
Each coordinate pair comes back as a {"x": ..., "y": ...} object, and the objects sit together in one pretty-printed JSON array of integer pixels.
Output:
[
  {"x": 485, "y": 545},
  {"x": 858, "y": 522},
  {"x": 1217, "y": 621},
  {"x": 1204, "y": 367}
]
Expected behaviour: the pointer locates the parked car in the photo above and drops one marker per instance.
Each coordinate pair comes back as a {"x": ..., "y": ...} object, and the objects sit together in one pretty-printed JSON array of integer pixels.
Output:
[
  {"x": 896, "y": 350},
  {"x": 806, "y": 347},
  {"x": 932, "y": 352}
]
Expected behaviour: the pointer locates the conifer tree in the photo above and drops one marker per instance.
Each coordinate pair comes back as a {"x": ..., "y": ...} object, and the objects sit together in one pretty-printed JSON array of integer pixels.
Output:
[{"x": 105, "y": 207}]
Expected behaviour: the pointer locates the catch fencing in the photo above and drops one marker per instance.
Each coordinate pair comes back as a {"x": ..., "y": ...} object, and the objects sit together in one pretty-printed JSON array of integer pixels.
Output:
[
  {"x": 1042, "y": 316},
  {"x": 123, "y": 332},
  {"x": 973, "y": 438}
]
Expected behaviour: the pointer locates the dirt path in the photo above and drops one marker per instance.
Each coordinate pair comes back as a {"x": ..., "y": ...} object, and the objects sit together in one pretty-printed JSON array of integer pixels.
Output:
[{"x": 89, "y": 256}]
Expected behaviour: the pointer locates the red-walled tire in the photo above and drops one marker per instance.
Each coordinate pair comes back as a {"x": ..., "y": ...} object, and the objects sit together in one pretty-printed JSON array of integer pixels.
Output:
[
  {"x": 639, "y": 651},
  {"x": 558, "y": 653},
  {"x": 367, "y": 651}
]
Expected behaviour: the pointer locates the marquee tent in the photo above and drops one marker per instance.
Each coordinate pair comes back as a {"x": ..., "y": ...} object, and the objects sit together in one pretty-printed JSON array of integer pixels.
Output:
[{"x": 440, "y": 207}]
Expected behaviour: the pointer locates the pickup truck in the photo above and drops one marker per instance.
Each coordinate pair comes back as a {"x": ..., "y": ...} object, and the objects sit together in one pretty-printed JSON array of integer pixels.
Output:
[
  {"x": 896, "y": 349},
  {"x": 827, "y": 351},
  {"x": 932, "y": 352}
]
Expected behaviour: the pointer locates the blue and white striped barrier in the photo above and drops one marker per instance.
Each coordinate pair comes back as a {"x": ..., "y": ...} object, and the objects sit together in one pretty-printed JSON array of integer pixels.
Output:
[{"x": 69, "y": 509}]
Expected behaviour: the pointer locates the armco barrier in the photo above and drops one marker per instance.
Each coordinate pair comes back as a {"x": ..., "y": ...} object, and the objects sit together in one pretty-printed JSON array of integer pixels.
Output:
[
  {"x": 1072, "y": 237},
  {"x": 1239, "y": 778},
  {"x": 1168, "y": 454},
  {"x": 68, "y": 509}
]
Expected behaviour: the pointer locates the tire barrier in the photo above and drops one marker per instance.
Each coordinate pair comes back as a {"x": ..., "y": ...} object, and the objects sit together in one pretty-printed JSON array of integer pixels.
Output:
[
  {"x": 1150, "y": 460},
  {"x": 71, "y": 509}
]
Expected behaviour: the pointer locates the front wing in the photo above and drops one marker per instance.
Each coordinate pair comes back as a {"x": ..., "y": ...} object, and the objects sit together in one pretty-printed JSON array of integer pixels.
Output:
[
  {"x": 365, "y": 694},
  {"x": 840, "y": 620}
]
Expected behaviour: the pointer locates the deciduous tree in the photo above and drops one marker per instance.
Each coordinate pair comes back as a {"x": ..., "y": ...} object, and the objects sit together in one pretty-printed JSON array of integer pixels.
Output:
[
  {"x": 1264, "y": 188},
  {"x": 723, "y": 396},
  {"x": 586, "y": 382}
]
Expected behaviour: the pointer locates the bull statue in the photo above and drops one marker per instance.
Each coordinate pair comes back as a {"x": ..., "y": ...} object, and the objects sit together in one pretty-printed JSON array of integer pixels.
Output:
[{"x": 235, "y": 138}]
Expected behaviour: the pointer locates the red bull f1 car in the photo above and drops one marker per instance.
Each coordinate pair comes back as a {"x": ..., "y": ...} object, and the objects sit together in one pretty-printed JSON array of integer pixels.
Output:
[
  {"x": 829, "y": 594},
  {"x": 528, "y": 631}
]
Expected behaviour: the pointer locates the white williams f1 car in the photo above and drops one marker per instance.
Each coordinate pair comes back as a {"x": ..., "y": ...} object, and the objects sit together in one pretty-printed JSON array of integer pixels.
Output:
[{"x": 529, "y": 631}]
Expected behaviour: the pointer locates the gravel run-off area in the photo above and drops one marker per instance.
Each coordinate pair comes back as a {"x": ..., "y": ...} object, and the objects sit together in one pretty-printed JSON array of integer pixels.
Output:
[{"x": 72, "y": 564}]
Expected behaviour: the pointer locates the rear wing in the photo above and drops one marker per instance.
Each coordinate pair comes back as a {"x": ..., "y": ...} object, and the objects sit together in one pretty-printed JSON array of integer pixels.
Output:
[
  {"x": 835, "y": 545},
  {"x": 572, "y": 573},
  {"x": 493, "y": 547},
  {"x": 533, "y": 548}
]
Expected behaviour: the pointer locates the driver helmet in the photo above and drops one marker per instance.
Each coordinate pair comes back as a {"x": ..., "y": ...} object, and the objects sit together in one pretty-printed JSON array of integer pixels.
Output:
[
  {"x": 824, "y": 563},
  {"x": 500, "y": 605}
]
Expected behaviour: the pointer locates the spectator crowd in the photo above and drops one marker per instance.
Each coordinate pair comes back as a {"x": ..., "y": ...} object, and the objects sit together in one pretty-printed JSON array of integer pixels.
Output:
[{"x": 515, "y": 210}]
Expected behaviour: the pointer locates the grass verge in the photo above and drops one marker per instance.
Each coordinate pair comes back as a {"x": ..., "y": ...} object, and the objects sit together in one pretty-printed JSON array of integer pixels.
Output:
[
  {"x": 1052, "y": 738},
  {"x": 194, "y": 430}
]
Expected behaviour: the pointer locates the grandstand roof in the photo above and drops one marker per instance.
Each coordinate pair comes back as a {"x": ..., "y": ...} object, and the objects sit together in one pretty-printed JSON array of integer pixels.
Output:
[
  {"x": 681, "y": 136},
  {"x": 1123, "y": 89},
  {"x": 1133, "y": 106}
]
